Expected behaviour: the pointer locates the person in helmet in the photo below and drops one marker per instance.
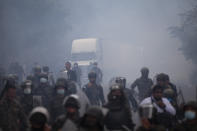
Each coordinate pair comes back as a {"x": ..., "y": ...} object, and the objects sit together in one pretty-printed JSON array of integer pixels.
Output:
[
  {"x": 170, "y": 91},
  {"x": 49, "y": 74},
  {"x": 92, "y": 120},
  {"x": 93, "y": 91},
  {"x": 43, "y": 91},
  {"x": 38, "y": 119},
  {"x": 12, "y": 115},
  {"x": 119, "y": 115},
  {"x": 27, "y": 96},
  {"x": 128, "y": 92},
  {"x": 98, "y": 72},
  {"x": 71, "y": 106},
  {"x": 144, "y": 84},
  {"x": 60, "y": 92},
  {"x": 190, "y": 115}
]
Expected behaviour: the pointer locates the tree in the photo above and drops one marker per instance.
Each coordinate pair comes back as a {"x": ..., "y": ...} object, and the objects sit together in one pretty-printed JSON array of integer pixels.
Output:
[{"x": 187, "y": 34}]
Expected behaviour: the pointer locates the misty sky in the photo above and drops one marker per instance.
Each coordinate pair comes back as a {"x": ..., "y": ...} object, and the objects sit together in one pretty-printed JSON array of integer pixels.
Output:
[{"x": 134, "y": 33}]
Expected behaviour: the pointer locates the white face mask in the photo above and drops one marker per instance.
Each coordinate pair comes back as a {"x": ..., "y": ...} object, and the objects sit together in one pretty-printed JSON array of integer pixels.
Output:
[
  {"x": 27, "y": 91},
  {"x": 60, "y": 91},
  {"x": 43, "y": 80}
]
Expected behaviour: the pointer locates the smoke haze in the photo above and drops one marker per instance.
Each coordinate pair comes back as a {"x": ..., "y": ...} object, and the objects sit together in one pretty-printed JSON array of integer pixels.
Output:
[{"x": 134, "y": 33}]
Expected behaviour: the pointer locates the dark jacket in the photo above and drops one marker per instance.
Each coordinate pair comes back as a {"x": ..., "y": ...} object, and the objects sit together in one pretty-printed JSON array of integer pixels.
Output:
[{"x": 95, "y": 94}]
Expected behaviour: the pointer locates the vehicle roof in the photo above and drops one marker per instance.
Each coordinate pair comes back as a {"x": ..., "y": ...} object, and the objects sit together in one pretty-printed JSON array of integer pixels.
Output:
[{"x": 84, "y": 45}]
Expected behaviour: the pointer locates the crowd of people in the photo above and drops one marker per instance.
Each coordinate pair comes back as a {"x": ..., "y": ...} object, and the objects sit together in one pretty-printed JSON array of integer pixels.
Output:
[{"x": 41, "y": 103}]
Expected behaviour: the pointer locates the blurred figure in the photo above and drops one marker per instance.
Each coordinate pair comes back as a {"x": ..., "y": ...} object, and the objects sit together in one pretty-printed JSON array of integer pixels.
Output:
[
  {"x": 60, "y": 92},
  {"x": 165, "y": 112},
  {"x": 12, "y": 115},
  {"x": 38, "y": 119},
  {"x": 92, "y": 120},
  {"x": 17, "y": 69},
  {"x": 98, "y": 72},
  {"x": 36, "y": 76},
  {"x": 26, "y": 99},
  {"x": 146, "y": 113},
  {"x": 77, "y": 70},
  {"x": 119, "y": 115},
  {"x": 49, "y": 74},
  {"x": 93, "y": 91},
  {"x": 143, "y": 84},
  {"x": 70, "y": 73},
  {"x": 2, "y": 78},
  {"x": 170, "y": 91},
  {"x": 122, "y": 82},
  {"x": 190, "y": 115},
  {"x": 43, "y": 93},
  {"x": 71, "y": 116}
]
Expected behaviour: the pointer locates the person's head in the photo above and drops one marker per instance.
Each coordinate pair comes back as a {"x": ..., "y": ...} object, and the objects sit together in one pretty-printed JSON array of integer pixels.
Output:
[
  {"x": 161, "y": 79},
  {"x": 10, "y": 89},
  {"x": 61, "y": 86},
  {"x": 116, "y": 93},
  {"x": 95, "y": 64},
  {"x": 27, "y": 87},
  {"x": 157, "y": 92},
  {"x": 167, "y": 79},
  {"x": 38, "y": 118},
  {"x": 45, "y": 69},
  {"x": 93, "y": 118},
  {"x": 92, "y": 77},
  {"x": 68, "y": 65},
  {"x": 37, "y": 70},
  {"x": 75, "y": 65},
  {"x": 72, "y": 105},
  {"x": 144, "y": 72},
  {"x": 190, "y": 111},
  {"x": 121, "y": 81}
]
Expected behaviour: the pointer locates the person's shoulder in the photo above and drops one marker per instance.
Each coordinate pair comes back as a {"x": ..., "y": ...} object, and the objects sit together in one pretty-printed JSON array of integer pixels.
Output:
[
  {"x": 146, "y": 101},
  {"x": 165, "y": 99}
]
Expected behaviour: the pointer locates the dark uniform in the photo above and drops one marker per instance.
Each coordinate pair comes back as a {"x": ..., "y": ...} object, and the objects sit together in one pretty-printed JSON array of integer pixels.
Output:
[
  {"x": 144, "y": 87},
  {"x": 78, "y": 72},
  {"x": 72, "y": 103},
  {"x": 56, "y": 104},
  {"x": 144, "y": 84},
  {"x": 98, "y": 72},
  {"x": 94, "y": 93},
  {"x": 190, "y": 121},
  {"x": 26, "y": 99},
  {"x": 49, "y": 74},
  {"x": 12, "y": 115},
  {"x": 43, "y": 92},
  {"x": 119, "y": 115},
  {"x": 92, "y": 120}
]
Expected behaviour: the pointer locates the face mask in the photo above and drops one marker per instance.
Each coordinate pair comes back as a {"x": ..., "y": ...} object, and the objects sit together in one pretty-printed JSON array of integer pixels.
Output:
[
  {"x": 27, "y": 91},
  {"x": 43, "y": 80},
  {"x": 190, "y": 115},
  {"x": 60, "y": 91}
]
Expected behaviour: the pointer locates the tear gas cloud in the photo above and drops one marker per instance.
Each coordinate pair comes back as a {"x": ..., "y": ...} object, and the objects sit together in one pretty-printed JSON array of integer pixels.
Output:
[{"x": 134, "y": 33}]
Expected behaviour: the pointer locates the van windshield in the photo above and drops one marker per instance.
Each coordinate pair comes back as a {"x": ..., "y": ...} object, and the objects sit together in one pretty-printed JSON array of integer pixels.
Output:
[{"x": 83, "y": 56}]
